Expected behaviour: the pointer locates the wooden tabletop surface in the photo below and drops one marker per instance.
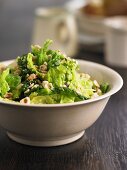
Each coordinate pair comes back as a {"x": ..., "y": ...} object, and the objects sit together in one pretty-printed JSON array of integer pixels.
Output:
[{"x": 103, "y": 147}]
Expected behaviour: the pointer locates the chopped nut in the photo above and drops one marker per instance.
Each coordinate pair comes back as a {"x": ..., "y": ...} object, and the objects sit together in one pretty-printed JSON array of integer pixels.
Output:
[
  {"x": 27, "y": 75},
  {"x": 35, "y": 86},
  {"x": 25, "y": 100},
  {"x": 2, "y": 68},
  {"x": 45, "y": 63},
  {"x": 32, "y": 76},
  {"x": 27, "y": 91},
  {"x": 99, "y": 92},
  {"x": 94, "y": 95},
  {"x": 8, "y": 95},
  {"x": 96, "y": 83},
  {"x": 43, "y": 68},
  {"x": 47, "y": 85},
  {"x": 85, "y": 75},
  {"x": 17, "y": 71},
  {"x": 31, "y": 85}
]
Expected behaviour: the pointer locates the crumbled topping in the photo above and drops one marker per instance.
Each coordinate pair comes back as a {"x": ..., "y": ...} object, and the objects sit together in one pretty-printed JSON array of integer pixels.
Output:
[
  {"x": 35, "y": 86},
  {"x": 31, "y": 85},
  {"x": 43, "y": 68},
  {"x": 17, "y": 71},
  {"x": 96, "y": 83},
  {"x": 99, "y": 92},
  {"x": 32, "y": 76},
  {"x": 83, "y": 75},
  {"x": 25, "y": 100},
  {"x": 8, "y": 95},
  {"x": 27, "y": 91},
  {"x": 47, "y": 85}
]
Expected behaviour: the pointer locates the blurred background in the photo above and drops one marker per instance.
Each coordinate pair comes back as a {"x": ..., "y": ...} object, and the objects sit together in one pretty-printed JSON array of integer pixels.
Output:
[{"x": 85, "y": 29}]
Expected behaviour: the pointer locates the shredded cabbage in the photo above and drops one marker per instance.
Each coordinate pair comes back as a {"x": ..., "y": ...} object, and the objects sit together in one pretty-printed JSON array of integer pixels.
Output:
[
  {"x": 47, "y": 77},
  {"x": 4, "y": 86}
]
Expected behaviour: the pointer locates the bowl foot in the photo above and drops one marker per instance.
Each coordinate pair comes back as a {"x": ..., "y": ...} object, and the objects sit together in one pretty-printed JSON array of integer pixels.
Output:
[{"x": 45, "y": 142}]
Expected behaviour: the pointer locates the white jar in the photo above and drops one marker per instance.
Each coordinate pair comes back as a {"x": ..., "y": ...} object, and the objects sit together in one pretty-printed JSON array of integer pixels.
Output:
[
  {"x": 116, "y": 41},
  {"x": 56, "y": 24}
]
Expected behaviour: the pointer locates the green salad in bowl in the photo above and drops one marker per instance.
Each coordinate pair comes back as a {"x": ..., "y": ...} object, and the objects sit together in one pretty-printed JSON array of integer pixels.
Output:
[{"x": 46, "y": 76}]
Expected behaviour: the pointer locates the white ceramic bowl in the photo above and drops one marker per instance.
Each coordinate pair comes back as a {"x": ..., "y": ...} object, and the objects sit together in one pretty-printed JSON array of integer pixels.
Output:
[{"x": 58, "y": 124}]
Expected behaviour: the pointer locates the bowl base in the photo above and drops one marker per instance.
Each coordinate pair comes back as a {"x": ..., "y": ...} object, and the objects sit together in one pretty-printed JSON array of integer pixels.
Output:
[{"x": 46, "y": 143}]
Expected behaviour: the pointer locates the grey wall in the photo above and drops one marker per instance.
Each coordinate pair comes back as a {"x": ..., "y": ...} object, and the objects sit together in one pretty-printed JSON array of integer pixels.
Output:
[{"x": 16, "y": 22}]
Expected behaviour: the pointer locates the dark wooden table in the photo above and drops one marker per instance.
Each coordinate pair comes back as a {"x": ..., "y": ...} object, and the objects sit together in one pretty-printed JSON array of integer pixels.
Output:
[{"x": 104, "y": 147}]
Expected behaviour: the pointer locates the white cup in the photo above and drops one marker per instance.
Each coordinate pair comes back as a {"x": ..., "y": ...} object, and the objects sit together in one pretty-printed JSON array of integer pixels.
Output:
[
  {"x": 116, "y": 41},
  {"x": 56, "y": 24}
]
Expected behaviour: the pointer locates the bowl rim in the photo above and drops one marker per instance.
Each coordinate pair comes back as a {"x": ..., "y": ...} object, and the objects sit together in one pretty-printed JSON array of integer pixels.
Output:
[{"x": 108, "y": 94}]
